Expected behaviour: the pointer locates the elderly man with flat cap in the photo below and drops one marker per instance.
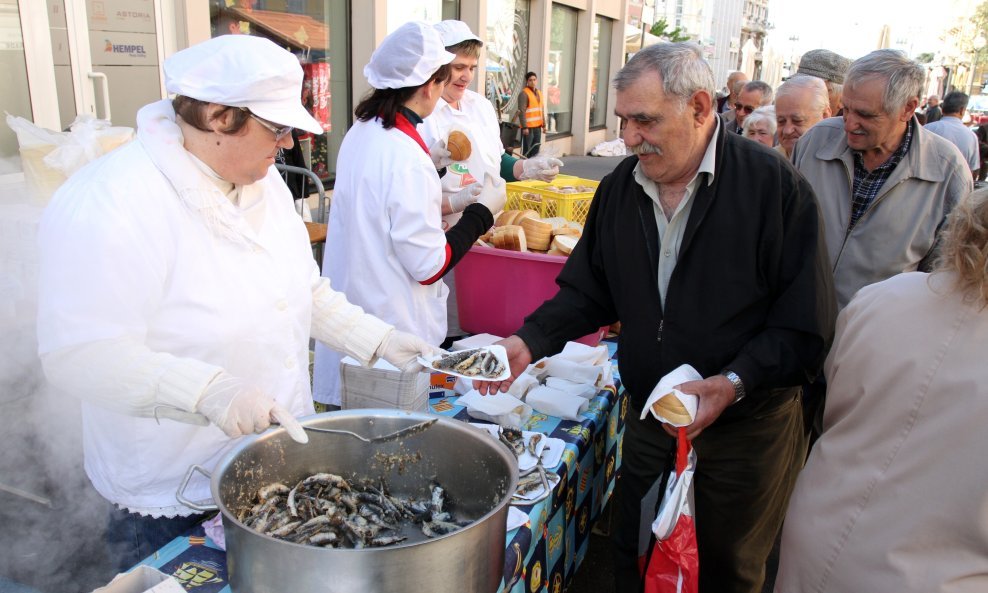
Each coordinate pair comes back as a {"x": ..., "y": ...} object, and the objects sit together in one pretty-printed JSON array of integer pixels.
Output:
[{"x": 831, "y": 68}]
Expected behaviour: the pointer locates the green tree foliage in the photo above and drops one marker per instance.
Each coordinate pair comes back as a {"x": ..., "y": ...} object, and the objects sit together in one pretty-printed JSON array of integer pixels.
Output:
[{"x": 661, "y": 29}]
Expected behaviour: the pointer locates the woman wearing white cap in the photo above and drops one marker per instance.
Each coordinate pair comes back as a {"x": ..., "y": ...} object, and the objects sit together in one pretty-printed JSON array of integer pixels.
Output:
[
  {"x": 177, "y": 281},
  {"x": 386, "y": 247},
  {"x": 471, "y": 113}
]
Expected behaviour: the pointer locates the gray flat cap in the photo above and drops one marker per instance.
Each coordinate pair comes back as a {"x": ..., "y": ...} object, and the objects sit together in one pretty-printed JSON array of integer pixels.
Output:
[{"x": 824, "y": 64}]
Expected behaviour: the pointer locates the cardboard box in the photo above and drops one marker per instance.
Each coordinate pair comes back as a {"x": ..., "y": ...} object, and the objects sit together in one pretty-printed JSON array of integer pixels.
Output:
[{"x": 142, "y": 579}]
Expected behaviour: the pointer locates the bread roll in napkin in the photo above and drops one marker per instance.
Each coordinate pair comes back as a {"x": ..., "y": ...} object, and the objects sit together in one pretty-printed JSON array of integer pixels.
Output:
[{"x": 670, "y": 405}]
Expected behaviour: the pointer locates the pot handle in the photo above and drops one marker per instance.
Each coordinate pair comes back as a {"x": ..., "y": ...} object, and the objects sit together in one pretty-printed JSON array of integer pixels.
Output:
[{"x": 180, "y": 495}]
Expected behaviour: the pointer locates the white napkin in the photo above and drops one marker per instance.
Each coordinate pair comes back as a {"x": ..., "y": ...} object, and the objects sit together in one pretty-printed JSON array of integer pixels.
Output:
[
  {"x": 552, "y": 454},
  {"x": 500, "y": 408},
  {"x": 556, "y": 403},
  {"x": 680, "y": 375},
  {"x": 583, "y": 354},
  {"x": 516, "y": 518},
  {"x": 522, "y": 384},
  {"x": 572, "y": 371},
  {"x": 581, "y": 389}
]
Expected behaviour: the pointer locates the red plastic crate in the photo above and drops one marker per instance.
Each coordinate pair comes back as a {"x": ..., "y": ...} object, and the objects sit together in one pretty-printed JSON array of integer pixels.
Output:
[{"x": 496, "y": 289}]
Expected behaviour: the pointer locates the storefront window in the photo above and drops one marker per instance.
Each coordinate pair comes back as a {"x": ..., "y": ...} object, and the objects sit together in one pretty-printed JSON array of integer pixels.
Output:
[
  {"x": 431, "y": 11},
  {"x": 561, "y": 69},
  {"x": 316, "y": 32},
  {"x": 601, "y": 56},
  {"x": 14, "y": 97},
  {"x": 507, "y": 53}
]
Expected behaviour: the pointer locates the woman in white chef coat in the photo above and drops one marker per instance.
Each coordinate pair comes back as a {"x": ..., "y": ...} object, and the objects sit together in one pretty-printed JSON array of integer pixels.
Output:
[
  {"x": 386, "y": 247},
  {"x": 177, "y": 281},
  {"x": 469, "y": 112}
]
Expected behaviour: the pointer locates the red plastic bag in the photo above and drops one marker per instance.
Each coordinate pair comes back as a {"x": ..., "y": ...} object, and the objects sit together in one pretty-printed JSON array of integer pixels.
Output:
[{"x": 672, "y": 566}]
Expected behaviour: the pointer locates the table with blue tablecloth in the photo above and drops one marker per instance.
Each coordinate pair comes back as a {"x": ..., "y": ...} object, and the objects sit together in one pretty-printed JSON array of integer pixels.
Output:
[{"x": 541, "y": 555}]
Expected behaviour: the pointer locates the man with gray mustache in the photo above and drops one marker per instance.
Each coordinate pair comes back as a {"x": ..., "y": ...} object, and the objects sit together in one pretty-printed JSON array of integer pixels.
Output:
[
  {"x": 885, "y": 184},
  {"x": 709, "y": 249}
]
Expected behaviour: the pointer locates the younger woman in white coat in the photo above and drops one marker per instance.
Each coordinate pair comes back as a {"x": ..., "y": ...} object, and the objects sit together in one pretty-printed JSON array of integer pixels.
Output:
[{"x": 386, "y": 247}]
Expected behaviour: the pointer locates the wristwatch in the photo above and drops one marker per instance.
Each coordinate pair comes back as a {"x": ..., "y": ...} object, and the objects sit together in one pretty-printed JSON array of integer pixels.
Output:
[{"x": 738, "y": 385}]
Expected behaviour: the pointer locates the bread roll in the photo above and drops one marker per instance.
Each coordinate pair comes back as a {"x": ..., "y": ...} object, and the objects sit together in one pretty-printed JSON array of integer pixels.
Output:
[
  {"x": 669, "y": 407},
  {"x": 564, "y": 243},
  {"x": 566, "y": 231},
  {"x": 505, "y": 218},
  {"x": 526, "y": 214},
  {"x": 458, "y": 146},
  {"x": 538, "y": 233},
  {"x": 511, "y": 237}
]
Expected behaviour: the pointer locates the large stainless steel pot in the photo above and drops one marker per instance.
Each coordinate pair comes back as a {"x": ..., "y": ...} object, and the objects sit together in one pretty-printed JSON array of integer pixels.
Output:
[{"x": 479, "y": 475}]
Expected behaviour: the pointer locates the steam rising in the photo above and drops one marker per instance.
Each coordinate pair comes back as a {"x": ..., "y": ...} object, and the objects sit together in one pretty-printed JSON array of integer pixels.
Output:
[{"x": 51, "y": 519}]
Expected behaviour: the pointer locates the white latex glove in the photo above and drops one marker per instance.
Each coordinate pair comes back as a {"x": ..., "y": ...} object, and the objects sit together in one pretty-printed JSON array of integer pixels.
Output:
[
  {"x": 541, "y": 168},
  {"x": 238, "y": 408},
  {"x": 401, "y": 349},
  {"x": 493, "y": 194},
  {"x": 463, "y": 198},
  {"x": 440, "y": 156}
]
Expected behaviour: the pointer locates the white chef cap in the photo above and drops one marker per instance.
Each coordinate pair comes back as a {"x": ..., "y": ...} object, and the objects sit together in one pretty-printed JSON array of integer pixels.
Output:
[
  {"x": 454, "y": 32},
  {"x": 243, "y": 71},
  {"x": 408, "y": 57}
]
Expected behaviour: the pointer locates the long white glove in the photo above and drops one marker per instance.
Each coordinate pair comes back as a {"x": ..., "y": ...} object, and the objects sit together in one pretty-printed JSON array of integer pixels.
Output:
[
  {"x": 541, "y": 168},
  {"x": 239, "y": 408},
  {"x": 440, "y": 156},
  {"x": 401, "y": 349},
  {"x": 493, "y": 194},
  {"x": 463, "y": 198}
]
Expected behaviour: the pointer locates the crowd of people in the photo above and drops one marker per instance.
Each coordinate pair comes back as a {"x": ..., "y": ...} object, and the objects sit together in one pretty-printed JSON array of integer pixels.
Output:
[
  {"x": 851, "y": 245},
  {"x": 827, "y": 276}
]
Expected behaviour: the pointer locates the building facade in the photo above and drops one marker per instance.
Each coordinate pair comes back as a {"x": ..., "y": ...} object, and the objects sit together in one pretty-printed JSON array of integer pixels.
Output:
[{"x": 103, "y": 57}]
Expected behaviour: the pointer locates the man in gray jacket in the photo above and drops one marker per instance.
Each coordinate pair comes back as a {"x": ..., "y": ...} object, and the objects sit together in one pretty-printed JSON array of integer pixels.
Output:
[{"x": 884, "y": 183}]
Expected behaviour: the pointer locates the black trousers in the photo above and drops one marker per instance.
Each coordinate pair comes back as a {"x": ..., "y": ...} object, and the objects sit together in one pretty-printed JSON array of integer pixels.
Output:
[
  {"x": 531, "y": 143},
  {"x": 744, "y": 476}
]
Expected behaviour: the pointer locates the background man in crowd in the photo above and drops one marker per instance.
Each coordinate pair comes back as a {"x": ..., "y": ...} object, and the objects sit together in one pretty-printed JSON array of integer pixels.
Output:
[
  {"x": 701, "y": 277},
  {"x": 735, "y": 80},
  {"x": 800, "y": 103},
  {"x": 753, "y": 95},
  {"x": 531, "y": 116},
  {"x": 951, "y": 127},
  {"x": 829, "y": 67},
  {"x": 933, "y": 111},
  {"x": 904, "y": 181}
]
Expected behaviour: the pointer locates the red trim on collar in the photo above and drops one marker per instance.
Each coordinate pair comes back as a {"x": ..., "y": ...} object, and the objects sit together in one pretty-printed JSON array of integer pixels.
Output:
[{"x": 402, "y": 123}]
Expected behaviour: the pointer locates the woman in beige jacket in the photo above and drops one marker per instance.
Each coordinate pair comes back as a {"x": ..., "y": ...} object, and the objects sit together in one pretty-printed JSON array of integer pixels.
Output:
[{"x": 894, "y": 496}]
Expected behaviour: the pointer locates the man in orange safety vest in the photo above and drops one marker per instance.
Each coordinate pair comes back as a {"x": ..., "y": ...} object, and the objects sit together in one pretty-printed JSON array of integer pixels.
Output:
[{"x": 531, "y": 116}]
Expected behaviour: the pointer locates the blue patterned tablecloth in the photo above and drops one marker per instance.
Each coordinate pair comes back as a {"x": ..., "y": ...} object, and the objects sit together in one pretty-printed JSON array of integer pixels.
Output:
[{"x": 541, "y": 555}]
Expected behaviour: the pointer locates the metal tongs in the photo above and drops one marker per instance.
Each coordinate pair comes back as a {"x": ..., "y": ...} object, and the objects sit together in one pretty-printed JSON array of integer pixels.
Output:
[{"x": 177, "y": 415}]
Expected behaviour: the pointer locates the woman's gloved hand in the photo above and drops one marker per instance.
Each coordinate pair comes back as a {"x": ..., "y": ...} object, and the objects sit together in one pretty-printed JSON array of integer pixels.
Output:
[
  {"x": 440, "y": 156},
  {"x": 463, "y": 198},
  {"x": 239, "y": 408},
  {"x": 541, "y": 168},
  {"x": 493, "y": 194},
  {"x": 401, "y": 349}
]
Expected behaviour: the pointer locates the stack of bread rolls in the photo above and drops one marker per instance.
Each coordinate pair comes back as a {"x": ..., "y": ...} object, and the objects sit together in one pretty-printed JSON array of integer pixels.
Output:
[{"x": 525, "y": 230}]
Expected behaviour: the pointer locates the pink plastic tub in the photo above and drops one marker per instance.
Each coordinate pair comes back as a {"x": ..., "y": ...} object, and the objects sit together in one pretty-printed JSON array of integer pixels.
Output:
[{"x": 497, "y": 288}]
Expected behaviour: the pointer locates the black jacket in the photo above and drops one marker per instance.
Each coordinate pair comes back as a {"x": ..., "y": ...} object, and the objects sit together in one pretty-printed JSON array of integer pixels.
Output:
[{"x": 752, "y": 290}]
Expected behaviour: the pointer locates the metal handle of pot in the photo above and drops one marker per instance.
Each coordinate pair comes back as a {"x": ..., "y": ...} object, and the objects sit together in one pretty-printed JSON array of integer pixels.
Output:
[{"x": 180, "y": 495}]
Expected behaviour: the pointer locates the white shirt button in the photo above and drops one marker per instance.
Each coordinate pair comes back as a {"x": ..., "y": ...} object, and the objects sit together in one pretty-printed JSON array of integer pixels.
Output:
[
  {"x": 282, "y": 305},
  {"x": 668, "y": 252},
  {"x": 290, "y": 362}
]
